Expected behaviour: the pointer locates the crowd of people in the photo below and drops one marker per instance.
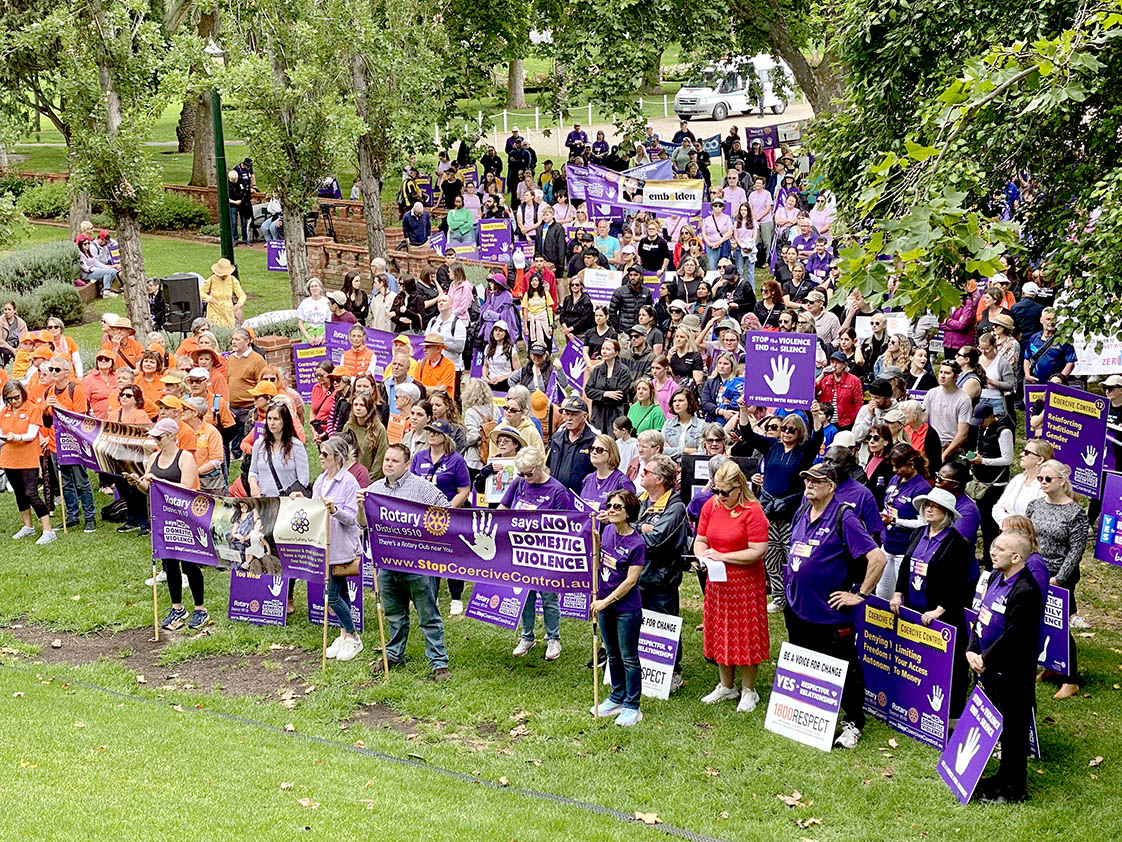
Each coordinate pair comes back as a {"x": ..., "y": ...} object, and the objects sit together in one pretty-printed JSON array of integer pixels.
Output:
[{"x": 898, "y": 481}]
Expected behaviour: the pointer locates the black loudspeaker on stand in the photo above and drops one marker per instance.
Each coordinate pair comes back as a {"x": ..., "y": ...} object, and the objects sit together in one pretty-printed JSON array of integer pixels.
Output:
[{"x": 181, "y": 299}]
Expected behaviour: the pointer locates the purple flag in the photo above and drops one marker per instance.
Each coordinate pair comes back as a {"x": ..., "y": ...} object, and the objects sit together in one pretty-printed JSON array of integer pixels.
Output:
[
  {"x": 315, "y": 604},
  {"x": 1108, "y": 539},
  {"x": 104, "y": 446},
  {"x": 779, "y": 369},
  {"x": 257, "y": 599},
  {"x": 276, "y": 258},
  {"x": 767, "y": 135},
  {"x": 427, "y": 193},
  {"x": 907, "y": 668},
  {"x": 305, "y": 359},
  {"x": 438, "y": 241},
  {"x": 549, "y": 551},
  {"x": 270, "y": 535},
  {"x": 969, "y": 748},
  {"x": 497, "y": 605},
  {"x": 471, "y": 176},
  {"x": 572, "y": 362},
  {"x": 494, "y": 239},
  {"x": 1075, "y": 426},
  {"x": 661, "y": 170}
]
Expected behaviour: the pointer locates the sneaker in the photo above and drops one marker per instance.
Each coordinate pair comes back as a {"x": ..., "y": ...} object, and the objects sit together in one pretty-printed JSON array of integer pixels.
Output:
[
  {"x": 91, "y": 526},
  {"x": 774, "y": 607},
  {"x": 128, "y": 527},
  {"x": 441, "y": 674},
  {"x": 849, "y": 737},
  {"x": 721, "y": 693},
  {"x": 675, "y": 682},
  {"x": 552, "y": 650},
  {"x": 333, "y": 649},
  {"x": 629, "y": 717},
  {"x": 606, "y": 708},
  {"x": 161, "y": 577},
  {"x": 456, "y": 607},
  {"x": 1077, "y": 622},
  {"x": 144, "y": 532},
  {"x": 601, "y": 658},
  {"x": 24, "y": 531},
  {"x": 350, "y": 647},
  {"x": 175, "y": 619},
  {"x": 47, "y": 537},
  {"x": 199, "y": 618},
  {"x": 523, "y": 647},
  {"x": 748, "y": 701}
]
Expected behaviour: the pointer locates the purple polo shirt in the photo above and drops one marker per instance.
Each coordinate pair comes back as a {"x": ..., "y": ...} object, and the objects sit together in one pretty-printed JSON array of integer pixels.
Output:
[
  {"x": 900, "y": 495},
  {"x": 917, "y": 583},
  {"x": 548, "y": 495},
  {"x": 819, "y": 562},
  {"x": 617, "y": 555},
  {"x": 864, "y": 503},
  {"x": 449, "y": 473},
  {"x": 1039, "y": 571},
  {"x": 595, "y": 491},
  {"x": 967, "y": 526},
  {"x": 805, "y": 245},
  {"x": 991, "y": 613}
]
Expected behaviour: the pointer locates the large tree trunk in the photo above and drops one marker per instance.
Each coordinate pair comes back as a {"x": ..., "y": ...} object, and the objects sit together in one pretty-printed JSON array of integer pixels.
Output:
[
  {"x": 822, "y": 85},
  {"x": 80, "y": 206},
  {"x": 370, "y": 166},
  {"x": 652, "y": 75},
  {"x": 296, "y": 249},
  {"x": 132, "y": 270},
  {"x": 202, "y": 164},
  {"x": 185, "y": 128},
  {"x": 515, "y": 84}
]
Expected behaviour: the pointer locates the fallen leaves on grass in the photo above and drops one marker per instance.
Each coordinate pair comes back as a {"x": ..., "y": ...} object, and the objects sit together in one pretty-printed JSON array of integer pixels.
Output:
[
  {"x": 519, "y": 731},
  {"x": 504, "y": 781},
  {"x": 1097, "y": 761},
  {"x": 140, "y": 679},
  {"x": 808, "y": 823},
  {"x": 369, "y": 802},
  {"x": 520, "y": 715},
  {"x": 893, "y": 744},
  {"x": 56, "y": 643},
  {"x": 711, "y": 772},
  {"x": 79, "y": 724},
  {"x": 648, "y": 818},
  {"x": 18, "y": 694},
  {"x": 290, "y": 727},
  {"x": 287, "y": 785},
  {"x": 307, "y": 802},
  {"x": 795, "y": 799},
  {"x": 536, "y": 763},
  {"x": 724, "y": 814}
]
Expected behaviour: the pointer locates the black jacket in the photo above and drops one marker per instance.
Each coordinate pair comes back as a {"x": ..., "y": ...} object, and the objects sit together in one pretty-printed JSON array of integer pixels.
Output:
[
  {"x": 605, "y": 410},
  {"x": 623, "y": 310},
  {"x": 569, "y": 461},
  {"x": 577, "y": 315},
  {"x": 1014, "y": 653},
  {"x": 947, "y": 576},
  {"x": 552, "y": 245},
  {"x": 666, "y": 544}
]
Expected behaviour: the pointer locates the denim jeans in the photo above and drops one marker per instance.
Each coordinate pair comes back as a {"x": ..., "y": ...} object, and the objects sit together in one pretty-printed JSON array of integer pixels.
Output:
[
  {"x": 106, "y": 276},
  {"x": 269, "y": 229},
  {"x": 235, "y": 213},
  {"x": 339, "y": 598},
  {"x": 712, "y": 256},
  {"x": 467, "y": 239},
  {"x": 744, "y": 259},
  {"x": 75, "y": 487},
  {"x": 620, "y": 632},
  {"x": 997, "y": 404},
  {"x": 551, "y": 611},
  {"x": 397, "y": 589}
]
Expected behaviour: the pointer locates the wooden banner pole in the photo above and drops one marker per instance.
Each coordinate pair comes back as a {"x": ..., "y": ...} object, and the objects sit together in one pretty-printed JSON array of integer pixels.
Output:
[
  {"x": 326, "y": 585},
  {"x": 595, "y": 641}
]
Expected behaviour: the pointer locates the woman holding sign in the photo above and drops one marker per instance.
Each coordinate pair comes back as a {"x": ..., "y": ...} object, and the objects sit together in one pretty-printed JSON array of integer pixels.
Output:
[
  {"x": 930, "y": 579},
  {"x": 620, "y": 612}
]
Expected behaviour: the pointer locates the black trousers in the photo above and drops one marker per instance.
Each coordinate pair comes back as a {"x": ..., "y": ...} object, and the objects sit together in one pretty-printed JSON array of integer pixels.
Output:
[
  {"x": 25, "y": 485},
  {"x": 1014, "y": 698},
  {"x": 839, "y": 641},
  {"x": 664, "y": 600},
  {"x": 194, "y": 576}
]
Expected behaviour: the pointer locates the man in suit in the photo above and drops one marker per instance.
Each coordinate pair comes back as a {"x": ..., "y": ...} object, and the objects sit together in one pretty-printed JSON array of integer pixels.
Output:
[{"x": 550, "y": 240}]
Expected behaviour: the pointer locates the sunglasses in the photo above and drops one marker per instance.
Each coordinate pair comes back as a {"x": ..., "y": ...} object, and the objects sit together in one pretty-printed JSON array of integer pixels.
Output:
[
  {"x": 874, "y": 438},
  {"x": 714, "y": 441},
  {"x": 511, "y": 409},
  {"x": 1027, "y": 452},
  {"x": 598, "y": 449},
  {"x": 790, "y": 429},
  {"x": 614, "y": 507},
  {"x": 723, "y": 492},
  {"x": 772, "y": 428},
  {"x": 1046, "y": 479},
  {"x": 526, "y": 474},
  {"x": 54, "y": 369},
  {"x": 269, "y": 379}
]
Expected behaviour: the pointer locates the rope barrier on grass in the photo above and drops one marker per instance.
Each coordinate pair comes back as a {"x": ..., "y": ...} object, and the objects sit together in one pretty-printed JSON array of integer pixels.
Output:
[{"x": 587, "y": 806}]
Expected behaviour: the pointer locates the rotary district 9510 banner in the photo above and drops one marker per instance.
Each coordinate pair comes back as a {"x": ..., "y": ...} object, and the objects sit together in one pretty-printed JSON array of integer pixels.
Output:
[
  {"x": 270, "y": 536},
  {"x": 541, "y": 550},
  {"x": 104, "y": 446}
]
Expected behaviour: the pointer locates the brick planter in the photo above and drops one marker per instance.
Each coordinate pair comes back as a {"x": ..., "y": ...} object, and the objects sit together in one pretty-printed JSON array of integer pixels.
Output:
[{"x": 277, "y": 351}]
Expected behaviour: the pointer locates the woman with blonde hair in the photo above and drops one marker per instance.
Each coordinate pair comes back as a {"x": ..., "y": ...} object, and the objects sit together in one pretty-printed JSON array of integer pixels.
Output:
[
  {"x": 606, "y": 477},
  {"x": 1024, "y": 487},
  {"x": 685, "y": 358},
  {"x": 896, "y": 354},
  {"x": 733, "y": 531}
]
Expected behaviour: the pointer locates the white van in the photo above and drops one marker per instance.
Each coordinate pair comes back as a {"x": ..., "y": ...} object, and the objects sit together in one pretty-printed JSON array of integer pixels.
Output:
[{"x": 722, "y": 88}]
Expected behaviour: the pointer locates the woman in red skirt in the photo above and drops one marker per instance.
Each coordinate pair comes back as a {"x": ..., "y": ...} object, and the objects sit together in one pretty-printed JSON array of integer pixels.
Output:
[{"x": 733, "y": 531}]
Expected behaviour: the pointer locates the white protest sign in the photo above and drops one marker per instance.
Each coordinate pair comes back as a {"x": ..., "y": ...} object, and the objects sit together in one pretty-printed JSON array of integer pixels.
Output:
[
  {"x": 806, "y": 697},
  {"x": 601, "y": 283},
  {"x": 658, "y": 647}
]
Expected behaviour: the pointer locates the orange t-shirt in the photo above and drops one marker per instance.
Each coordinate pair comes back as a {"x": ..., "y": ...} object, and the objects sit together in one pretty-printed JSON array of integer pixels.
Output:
[
  {"x": 208, "y": 445},
  {"x": 186, "y": 438},
  {"x": 71, "y": 397},
  {"x": 439, "y": 376},
  {"x": 225, "y": 416},
  {"x": 153, "y": 390},
  {"x": 98, "y": 393},
  {"x": 128, "y": 354},
  {"x": 135, "y": 416},
  {"x": 20, "y": 454}
]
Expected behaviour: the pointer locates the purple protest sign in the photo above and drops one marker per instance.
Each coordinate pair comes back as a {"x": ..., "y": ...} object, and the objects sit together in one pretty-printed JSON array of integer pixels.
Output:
[
  {"x": 476, "y": 363},
  {"x": 471, "y": 176},
  {"x": 574, "y": 605},
  {"x": 1055, "y": 635},
  {"x": 438, "y": 241},
  {"x": 337, "y": 341},
  {"x": 659, "y": 637},
  {"x": 270, "y": 535},
  {"x": 497, "y": 605},
  {"x": 572, "y": 362},
  {"x": 969, "y": 748},
  {"x": 549, "y": 551},
  {"x": 779, "y": 369},
  {"x": 661, "y": 170},
  {"x": 1075, "y": 426},
  {"x": 494, "y": 239},
  {"x": 1108, "y": 538},
  {"x": 276, "y": 258},
  {"x": 907, "y": 668},
  {"x": 257, "y": 599},
  {"x": 767, "y": 135},
  {"x": 1034, "y": 393},
  {"x": 806, "y": 696},
  {"x": 305, "y": 359},
  {"x": 104, "y": 446},
  {"x": 315, "y": 604},
  {"x": 427, "y": 194}
]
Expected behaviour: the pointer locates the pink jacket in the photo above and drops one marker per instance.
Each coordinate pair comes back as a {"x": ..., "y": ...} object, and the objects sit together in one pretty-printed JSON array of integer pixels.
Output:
[{"x": 958, "y": 327}]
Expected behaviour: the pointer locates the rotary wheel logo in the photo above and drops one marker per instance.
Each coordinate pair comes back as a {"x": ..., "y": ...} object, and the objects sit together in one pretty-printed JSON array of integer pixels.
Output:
[
  {"x": 89, "y": 425},
  {"x": 437, "y": 521},
  {"x": 882, "y": 699},
  {"x": 913, "y": 715},
  {"x": 254, "y": 606},
  {"x": 494, "y": 602},
  {"x": 200, "y": 506},
  {"x": 300, "y": 522}
]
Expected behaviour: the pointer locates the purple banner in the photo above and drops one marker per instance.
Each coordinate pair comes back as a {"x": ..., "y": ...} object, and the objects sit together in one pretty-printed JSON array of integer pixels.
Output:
[
  {"x": 1055, "y": 635},
  {"x": 305, "y": 360},
  {"x": 497, "y": 605},
  {"x": 572, "y": 362},
  {"x": 549, "y": 551},
  {"x": 257, "y": 599},
  {"x": 315, "y": 604},
  {"x": 1075, "y": 426},
  {"x": 276, "y": 258},
  {"x": 265, "y": 535},
  {"x": 427, "y": 194},
  {"x": 767, "y": 135},
  {"x": 493, "y": 236},
  {"x": 1108, "y": 537},
  {"x": 969, "y": 748},
  {"x": 574, "y": 605},
  {"x": 104, "y": 446},
  {"x": 438, "y": 242},
  {"x": 337, "y": 341},
  {"x": 779, "y": 369},
  {"x": 471, "y": 176},
  {"x": 656, "y": 169},
  {"x": 907, "y": 668}
]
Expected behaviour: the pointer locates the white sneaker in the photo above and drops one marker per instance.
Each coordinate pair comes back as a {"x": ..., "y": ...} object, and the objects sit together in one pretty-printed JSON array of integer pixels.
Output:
[
  {"x": 748, "y": 701},
  {"x": 675, "y": 682},
  {"x": 774, "y": 607},
  {"x": 629, "y": 717},
  {"x": 552, "y": 650},
  {"x": 349, "y": 648},
  {"x": 721, "y": 693},
  {"x": 24, "y": 531},
  {"x": 161, "y": 577},
  {"x": 849, "y": 737},
  {"x": 523, "y": 647},
  {"x": 606, "y": 708},
  {"x": 335, "y": 646},
  {"x": 47, "y": 537},
  {"x": 1077, "y": 622},
  {"x": 456, "y": 607}
]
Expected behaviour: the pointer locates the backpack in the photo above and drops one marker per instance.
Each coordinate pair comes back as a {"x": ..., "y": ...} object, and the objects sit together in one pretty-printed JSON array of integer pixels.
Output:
[{"x": 485, "y": 430}]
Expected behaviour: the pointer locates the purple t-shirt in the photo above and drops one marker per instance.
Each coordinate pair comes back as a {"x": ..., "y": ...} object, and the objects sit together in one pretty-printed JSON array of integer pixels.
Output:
[
  {"x": 917, "y": 584},
  {"x": 449, "y": 473},
  {"x": 865, "y": 504},
  {"x": 617, "y": 555},
  {"x": 991, "y": 613},
  {"x": 1039, "y": 571},
  {"x": 548, "y": 495},
  {"x": 758, "y": 201},
  {"x": 819, "y": 562},
  {"x": 595, "y": 491},
  {"x": 900, "y": 495}
]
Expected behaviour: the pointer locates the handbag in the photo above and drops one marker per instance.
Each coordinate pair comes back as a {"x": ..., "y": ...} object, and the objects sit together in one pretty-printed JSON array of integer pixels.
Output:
[
  {"x": 305, "y": 490},
  {"x": 976, "y": 489},
  {"x": 351, "y": 568}
]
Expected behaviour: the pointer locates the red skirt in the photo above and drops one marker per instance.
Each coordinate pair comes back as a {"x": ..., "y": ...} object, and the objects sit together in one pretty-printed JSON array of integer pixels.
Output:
[{"x": 735, "y": 617}]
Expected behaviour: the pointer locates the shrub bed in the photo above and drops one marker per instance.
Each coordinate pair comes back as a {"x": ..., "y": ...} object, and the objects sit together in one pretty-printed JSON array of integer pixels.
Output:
[{"x": 27, "y": 269}]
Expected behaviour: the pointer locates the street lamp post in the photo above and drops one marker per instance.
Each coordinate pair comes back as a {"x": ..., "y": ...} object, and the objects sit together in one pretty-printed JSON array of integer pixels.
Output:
[{"x": 225, "y": 225}]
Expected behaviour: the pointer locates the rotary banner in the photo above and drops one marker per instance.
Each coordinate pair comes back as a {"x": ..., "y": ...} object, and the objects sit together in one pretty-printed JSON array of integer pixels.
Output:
[{"x": 104, "y": 446}]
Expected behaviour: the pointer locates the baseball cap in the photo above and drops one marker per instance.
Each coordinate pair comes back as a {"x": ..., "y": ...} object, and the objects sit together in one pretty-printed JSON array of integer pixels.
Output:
[
  {"x": 839, "y": 356},
  {"x": 172, "y": 375},
  {"x": 440, "y": 425},
  {"x": 265, "y": 388},
  {"x": 844, "y": 439},
  {"x": 538, "y": 348},
  {"x": 1113, "y": 382},
  {"x": 896, "y": 416},
  {"x": 729, "y": 324},
  {"x": 677, "y": 304},
  {"x": 401, "y": 340},
  {"x": 642, "y": 330},
  {"x": 573, "y": 404},
  {"x": 337, "y": 296},
  {"x": 171, "y": 402},
  {"x": 821, "y": 471},
  {"x": 719, "y": 304},
  {"x": 982, "y": 412},
  {"x": 163, "y": 427},
  {"x": 628, "y": 250},
  {"x": 880, "y": 389},
  {"x": 519, "y": 260},
  {"x": 1030, "y": 289},
  {"x": 198, "y": 374}
]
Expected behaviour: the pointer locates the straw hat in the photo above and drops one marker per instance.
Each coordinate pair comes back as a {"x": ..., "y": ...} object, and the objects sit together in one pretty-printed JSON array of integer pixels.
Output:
[{"x": 222, "y": 267}]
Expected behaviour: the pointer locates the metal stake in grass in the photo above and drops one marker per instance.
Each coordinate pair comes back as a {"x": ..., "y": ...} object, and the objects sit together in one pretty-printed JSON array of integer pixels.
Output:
[{"x": 381, "y": 624}]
